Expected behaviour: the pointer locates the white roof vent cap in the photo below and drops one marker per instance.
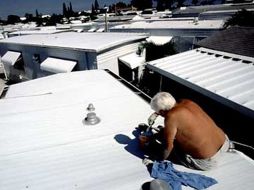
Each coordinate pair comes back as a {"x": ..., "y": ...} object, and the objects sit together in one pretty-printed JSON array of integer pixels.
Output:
[
  {"x": 90, "y": 107},
  {"x": 91, "y": 118}
]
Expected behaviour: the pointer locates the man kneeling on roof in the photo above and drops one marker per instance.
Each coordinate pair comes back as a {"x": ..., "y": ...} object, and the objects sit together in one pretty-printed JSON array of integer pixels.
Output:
[{"x": 196, "y": 139}]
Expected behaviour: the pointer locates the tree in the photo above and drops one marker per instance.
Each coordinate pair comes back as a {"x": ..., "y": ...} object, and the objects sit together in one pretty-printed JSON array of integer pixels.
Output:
[
  {"x": 194, "y": 2},
  {"x": 36, "y": 13},
  {"x": 168, "y": 4},
  {"x": 142, "y": 4},
  {"x": 53, "y": 20},
  {"x": 71, "y": 12},
  {"x": 207, "y": 2},
  {"x": 160, "y": 5},
  {"x": 241, "y": 18},
  {"x": 71, "y": 7},
  {"x": 29, "y": 17},
  {"x": 93, "y": 10},
  {"x": 64, "y": 10},
  {"x": 121, "y": 5},
  {"x": 180, "y": 3},
  {"x": 12, "y": 19},
  {"x": 93, "y": 14},
  {"x": 96, "y": 5}
]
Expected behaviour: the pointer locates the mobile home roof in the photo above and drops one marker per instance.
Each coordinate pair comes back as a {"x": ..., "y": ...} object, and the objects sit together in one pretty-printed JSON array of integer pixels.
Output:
[
  {"x": 84, "y": 41},
  {"x": 45, "y": 144}
]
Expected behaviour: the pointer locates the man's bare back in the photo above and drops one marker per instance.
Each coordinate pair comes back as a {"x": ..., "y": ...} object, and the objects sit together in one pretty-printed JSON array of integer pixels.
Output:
[{"x": 193, "y": 130}]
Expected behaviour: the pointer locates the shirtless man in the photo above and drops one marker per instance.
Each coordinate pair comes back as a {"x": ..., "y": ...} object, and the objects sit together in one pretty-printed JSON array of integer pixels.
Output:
[{"x": 191, "y": 129}]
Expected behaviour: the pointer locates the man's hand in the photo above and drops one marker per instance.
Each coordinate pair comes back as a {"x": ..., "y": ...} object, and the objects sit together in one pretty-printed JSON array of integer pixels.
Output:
[{"x": 152, "y": 118}]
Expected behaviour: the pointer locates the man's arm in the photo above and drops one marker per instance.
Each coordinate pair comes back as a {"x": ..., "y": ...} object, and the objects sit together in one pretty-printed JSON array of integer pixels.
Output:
[{"x": 169, "y": 137}]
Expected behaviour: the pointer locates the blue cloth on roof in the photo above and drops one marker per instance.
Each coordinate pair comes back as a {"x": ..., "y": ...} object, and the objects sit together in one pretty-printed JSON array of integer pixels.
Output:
[{"x": 164, "y": 170}]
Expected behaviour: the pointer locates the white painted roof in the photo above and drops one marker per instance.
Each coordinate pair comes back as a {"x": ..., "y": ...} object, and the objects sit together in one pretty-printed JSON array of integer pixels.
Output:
[
  {"x": 174, "y": 24},
  {"x": 235, "y": 171},
  {"x": 132, "y": 60},
  {"x": 74, "y": 40},
  {"x": 56, "y": 65},
  {"x": 224, "y": 74},
  {"x": 45, "y": 145},
  {"x": 10, "y": 57}
]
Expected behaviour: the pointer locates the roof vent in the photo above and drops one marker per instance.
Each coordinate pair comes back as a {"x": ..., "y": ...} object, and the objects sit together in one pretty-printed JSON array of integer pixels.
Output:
[
  {"x": 91, "y": 118},
  {"x": 90, "y": 107}
]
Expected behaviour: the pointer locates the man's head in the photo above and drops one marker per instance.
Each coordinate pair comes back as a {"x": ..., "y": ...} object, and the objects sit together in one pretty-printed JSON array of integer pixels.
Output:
[{"x": 162, "y": 102}]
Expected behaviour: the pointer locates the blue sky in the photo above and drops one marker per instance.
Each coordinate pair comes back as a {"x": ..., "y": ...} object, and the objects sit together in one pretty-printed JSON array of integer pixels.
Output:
[{"x": 20, "y": 7}]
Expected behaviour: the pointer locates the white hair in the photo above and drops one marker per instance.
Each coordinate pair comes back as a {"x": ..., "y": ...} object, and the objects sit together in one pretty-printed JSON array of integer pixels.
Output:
[{"x": 162, "y": 101}]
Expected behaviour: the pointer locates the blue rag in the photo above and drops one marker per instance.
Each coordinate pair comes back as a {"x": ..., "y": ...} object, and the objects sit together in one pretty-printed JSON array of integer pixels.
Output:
[{"x": 164, "y": 170}]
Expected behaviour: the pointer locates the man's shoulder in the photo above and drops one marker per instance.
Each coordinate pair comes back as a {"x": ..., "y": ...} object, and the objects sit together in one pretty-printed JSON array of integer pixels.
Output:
[
  {"x": 186, "y": 101},
  {"x": 183, "y": 108}
]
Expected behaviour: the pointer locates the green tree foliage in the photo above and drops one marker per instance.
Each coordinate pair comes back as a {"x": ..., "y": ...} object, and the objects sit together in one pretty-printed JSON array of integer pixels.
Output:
[
  {"x": 53, "y": 20},
  {"x": 160, "y": 5},
  {"x": 68, "y": 11},
  {"x": 180, "y": 3},
  {"x": 29, "y": 17},
  {"x": 12, "y": 19},
  {"x": 118, "y": 6},
  {"x": 165, "y": 4},
  {"x": 93, "y": 9},
  {"x": 36, "y": 13},
  {"x": 142, "y": 4},
  {"x": 64, "y": 10},
  {"x": 93, "y": 13},
  {"x": 155, "y": 52},
  {"x": 194, "y": 2},
  {"x": 241, "y": 18},
  {"x": 121, "y": 5},
  {"x": 207, "y": 2},
  {"x": 70, "y": 8},
  {"x": 96, "y": 5}
]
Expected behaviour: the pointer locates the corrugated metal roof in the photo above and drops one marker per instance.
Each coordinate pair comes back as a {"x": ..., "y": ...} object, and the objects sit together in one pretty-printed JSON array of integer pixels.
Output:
[
  {"x": 45, "y": 145},
  {"x": 85, "y": 41},
  {"x": 227, "y": 75}
]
